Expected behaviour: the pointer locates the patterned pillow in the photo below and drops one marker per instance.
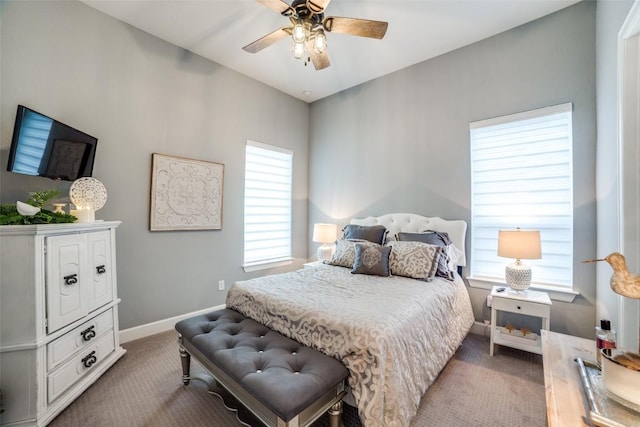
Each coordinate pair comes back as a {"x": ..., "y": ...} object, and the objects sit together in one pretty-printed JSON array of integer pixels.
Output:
[
  {"x": 345, "y": 254},
  {"x": 414, "y": 259},
  {"x": 432, "y": 238},
  {"x": 371, "y": 259},
  {"x": 372, "y": 233}
]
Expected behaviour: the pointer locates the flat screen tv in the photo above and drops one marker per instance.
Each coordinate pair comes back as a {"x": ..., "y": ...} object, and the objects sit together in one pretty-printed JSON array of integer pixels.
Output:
[{"x": 42, "y": 146}]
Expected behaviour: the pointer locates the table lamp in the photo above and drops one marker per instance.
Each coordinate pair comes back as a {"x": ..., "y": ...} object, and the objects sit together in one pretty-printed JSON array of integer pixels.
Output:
[
  {"x": 519, "y": 244},
  {"x": 325, "y": 234}
]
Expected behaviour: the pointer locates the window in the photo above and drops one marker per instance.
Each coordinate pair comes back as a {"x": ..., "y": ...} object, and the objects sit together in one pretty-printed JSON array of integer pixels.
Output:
[
  {"x": 521, "y": 176},
  {"x": 267, "y": 206}
]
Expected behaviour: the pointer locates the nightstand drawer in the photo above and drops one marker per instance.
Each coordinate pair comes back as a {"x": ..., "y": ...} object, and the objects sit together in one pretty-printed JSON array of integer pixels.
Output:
[{"x": 522, "y": 307}]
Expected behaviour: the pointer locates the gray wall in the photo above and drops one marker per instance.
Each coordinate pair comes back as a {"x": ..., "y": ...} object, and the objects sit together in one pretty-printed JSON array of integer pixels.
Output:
[
  {"x": 141, "y": 95},
  {"x": 400, "y": 143}
]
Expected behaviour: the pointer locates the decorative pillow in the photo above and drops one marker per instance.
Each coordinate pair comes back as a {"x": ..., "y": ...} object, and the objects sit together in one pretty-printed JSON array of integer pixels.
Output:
[
  {"x": 432, "y": 238},
  {"x": 371, "y": 259},
  {"x": 372, "y": 233},
  {"x": 414, "y": 259},
  {"x": 345, "y": 254}
]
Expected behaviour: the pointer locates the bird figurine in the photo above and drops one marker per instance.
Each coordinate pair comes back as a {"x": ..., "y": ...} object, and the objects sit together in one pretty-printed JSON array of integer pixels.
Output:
[
  {"x": 622, "y": 282},
  {"x": 26, "y": 210}
]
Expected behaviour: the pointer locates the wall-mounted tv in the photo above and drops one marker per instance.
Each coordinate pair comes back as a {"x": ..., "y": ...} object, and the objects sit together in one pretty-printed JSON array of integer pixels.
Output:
[{"x": 42, "y": 146}]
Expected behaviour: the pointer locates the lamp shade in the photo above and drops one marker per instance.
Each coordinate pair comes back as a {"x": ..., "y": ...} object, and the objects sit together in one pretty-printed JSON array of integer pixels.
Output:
[
  {"x": 519, "y": 244},
  {"x": 325, "y": 233}
]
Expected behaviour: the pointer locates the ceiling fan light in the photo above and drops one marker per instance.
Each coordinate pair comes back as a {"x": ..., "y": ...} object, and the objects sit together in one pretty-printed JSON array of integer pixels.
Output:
[
  {"x": 298, "y": 50},
  {"x": 299, "y": 34},
  {"x": 320, "y": 42}
]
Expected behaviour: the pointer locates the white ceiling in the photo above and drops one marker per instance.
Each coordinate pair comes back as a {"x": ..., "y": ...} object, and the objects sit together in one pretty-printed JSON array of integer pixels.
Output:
[{"x": 418, "y": 30}]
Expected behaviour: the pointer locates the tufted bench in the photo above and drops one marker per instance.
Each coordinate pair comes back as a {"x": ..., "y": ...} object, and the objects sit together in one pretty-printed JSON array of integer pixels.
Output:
[{"x": 282, "y": 382}]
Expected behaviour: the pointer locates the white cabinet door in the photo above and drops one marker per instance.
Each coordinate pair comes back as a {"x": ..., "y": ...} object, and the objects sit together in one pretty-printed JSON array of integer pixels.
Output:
[
  {"x": 66, "y": 279},
  {"x": 100, "y": 290}
]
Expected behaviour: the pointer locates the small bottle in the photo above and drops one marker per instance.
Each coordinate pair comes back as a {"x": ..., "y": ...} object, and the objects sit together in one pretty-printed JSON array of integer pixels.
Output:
[{"x": 605, "y": 338}]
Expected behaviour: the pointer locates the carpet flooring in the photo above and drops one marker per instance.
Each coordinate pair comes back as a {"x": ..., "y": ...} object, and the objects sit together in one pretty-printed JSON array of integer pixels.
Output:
[{"x": 144, "y": 389}]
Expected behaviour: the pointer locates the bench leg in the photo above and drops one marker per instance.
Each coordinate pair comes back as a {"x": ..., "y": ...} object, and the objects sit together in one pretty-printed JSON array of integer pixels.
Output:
[
  {"x": 334, "y": 414},
  {"x": 185, "y": 358}
]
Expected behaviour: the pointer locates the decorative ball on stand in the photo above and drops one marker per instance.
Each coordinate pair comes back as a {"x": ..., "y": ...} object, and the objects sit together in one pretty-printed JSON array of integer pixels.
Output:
[{"x": 88, "y": 195}]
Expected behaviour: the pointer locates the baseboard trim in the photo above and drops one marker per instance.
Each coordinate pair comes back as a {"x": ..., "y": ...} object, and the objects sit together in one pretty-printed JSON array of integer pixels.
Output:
[
  {"x": 479, "y": 328},
  {"x": 158, "y": 326}
]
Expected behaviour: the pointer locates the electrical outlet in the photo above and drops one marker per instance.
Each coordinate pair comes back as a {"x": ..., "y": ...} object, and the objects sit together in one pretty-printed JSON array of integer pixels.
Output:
[{"x": 221, "y": 285}]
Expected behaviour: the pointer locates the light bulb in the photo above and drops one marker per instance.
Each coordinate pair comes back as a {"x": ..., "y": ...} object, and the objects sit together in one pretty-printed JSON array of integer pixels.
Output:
[
  {"x": 298, "y": 50},
  {"x": 320, "y": 43},
  {"x": 298, "y": 33}
]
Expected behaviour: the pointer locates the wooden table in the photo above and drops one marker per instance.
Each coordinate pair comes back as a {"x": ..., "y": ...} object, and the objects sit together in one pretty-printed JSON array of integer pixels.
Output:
[{"x": 566, "y": 404}]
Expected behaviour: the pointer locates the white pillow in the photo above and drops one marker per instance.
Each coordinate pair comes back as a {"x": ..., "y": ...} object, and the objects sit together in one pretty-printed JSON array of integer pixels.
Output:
[{"x": 454, "y": 256}]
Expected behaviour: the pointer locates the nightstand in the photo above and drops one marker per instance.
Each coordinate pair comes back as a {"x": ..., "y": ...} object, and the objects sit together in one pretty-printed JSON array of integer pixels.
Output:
[{"x": 531, "y": 303}]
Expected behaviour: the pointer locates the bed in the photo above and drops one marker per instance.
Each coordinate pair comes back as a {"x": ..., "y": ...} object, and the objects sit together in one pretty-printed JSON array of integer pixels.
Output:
[{"x": 394, "y": 334}]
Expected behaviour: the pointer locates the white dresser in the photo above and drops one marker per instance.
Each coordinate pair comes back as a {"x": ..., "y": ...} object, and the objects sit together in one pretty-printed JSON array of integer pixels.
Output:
[{"x": 58, "y": 316}]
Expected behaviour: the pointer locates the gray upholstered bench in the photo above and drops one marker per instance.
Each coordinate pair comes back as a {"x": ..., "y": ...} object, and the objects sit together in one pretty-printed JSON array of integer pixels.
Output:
[{"x": 282, "y": 382}]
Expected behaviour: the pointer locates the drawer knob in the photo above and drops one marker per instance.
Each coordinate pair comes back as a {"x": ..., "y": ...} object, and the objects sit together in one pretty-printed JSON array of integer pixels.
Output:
[
  {"x": 101, "y": 269},
  {"x": 71, "y": 279},
  {"x": 89, "y": 359},
  {"x": 519, "y": 308},
  {"x": 88, "y": 333}
]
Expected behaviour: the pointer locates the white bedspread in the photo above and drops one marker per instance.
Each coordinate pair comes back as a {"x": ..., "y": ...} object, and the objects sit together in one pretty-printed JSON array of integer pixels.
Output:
[{"x": 394, "y": 334}]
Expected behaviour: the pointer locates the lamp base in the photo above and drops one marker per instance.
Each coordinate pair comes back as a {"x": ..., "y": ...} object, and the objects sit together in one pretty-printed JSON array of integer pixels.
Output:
[
  {"x": 325, "y": 252},
  {"x": 518, "y": 276}
]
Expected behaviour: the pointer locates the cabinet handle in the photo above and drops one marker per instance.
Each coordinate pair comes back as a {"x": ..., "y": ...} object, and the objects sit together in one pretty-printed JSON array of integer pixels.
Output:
[
  {"x": 71, "y": 279},
  {"x": 101, "y": 269},
  {"x": 89, "y": 359},
  {"x": 88, "y": 333}
]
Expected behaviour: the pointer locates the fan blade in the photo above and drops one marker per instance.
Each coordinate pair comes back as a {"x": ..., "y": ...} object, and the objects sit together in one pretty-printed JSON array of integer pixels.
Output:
[
  {"x": 320, "y": 60},
  {"x": 317, "y": 6},
  {"x": 355, "y": 27},
  {"x": 268, "y": 40},
  {"x": 279, "y": 6}
]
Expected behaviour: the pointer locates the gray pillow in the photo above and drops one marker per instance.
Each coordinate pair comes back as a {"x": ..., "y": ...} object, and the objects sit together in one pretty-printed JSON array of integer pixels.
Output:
[
  {"x": 372, "y": 233},
  {"x": 416, "y": 260},
  {"x": 371, "y": 259},
  {"x": 432, "y": 238}
]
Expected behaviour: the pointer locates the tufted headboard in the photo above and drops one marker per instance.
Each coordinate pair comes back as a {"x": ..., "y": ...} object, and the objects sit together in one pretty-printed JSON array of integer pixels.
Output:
[{"x": 413, "y": 223}]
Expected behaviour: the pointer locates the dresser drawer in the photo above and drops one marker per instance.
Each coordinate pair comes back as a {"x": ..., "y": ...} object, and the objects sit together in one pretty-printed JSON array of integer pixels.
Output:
[
  {"x": 66, "y": 375},
  {"x": 83, "y": 336},
  {"x": 523, "y": 307}
]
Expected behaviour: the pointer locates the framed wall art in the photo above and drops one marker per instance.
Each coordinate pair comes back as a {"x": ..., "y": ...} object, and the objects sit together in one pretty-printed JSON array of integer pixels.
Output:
[{"x": 186, "y": 194}]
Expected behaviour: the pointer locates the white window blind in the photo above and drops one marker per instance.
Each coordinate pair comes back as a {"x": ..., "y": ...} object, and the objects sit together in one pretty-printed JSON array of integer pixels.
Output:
[
  {"x": 267, "y": 204},
  {"x": 33, "y": 141},
  {"x": 522, "y": 176}
]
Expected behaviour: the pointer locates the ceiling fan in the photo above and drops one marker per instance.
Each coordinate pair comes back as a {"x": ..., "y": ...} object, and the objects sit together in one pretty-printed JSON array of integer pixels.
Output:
[{"x": 307, "y": 28}]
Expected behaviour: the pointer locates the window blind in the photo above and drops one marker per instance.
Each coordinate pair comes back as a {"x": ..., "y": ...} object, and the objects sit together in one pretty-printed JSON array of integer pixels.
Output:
[
  {"x": 267, "y": 204},
  {"x": 33, "y": 141},
  {"x": 522, "y": 176}
]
